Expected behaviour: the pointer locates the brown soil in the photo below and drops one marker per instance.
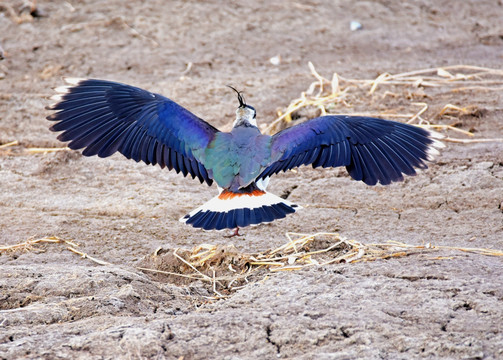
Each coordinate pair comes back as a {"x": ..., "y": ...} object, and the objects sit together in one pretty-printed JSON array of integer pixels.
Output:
[{"x": 54, "y": 304}]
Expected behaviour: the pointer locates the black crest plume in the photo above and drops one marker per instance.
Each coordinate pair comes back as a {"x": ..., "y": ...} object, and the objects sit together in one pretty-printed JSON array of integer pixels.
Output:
[{"x": 241, "y": 99}]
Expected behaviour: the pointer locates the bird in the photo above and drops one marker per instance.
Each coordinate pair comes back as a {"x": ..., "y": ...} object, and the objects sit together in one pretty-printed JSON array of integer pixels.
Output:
[{"x": 104, "y": 117}]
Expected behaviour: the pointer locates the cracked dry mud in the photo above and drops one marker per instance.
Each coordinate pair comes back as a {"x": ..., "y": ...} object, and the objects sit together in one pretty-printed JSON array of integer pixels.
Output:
[{"x": 54, "y": 304}]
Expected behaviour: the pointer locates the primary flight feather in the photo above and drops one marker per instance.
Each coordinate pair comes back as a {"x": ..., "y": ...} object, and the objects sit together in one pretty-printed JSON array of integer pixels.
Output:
[{"x": 105, "y": 117}]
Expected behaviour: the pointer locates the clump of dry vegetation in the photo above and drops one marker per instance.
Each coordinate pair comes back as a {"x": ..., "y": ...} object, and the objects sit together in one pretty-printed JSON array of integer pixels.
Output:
[
  {"x": 404, "y": 96},
  {"x": 224, "y": 269}
]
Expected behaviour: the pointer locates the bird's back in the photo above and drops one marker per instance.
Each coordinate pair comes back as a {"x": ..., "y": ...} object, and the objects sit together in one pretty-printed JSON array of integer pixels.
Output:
[{"x": 236, "y": 158}]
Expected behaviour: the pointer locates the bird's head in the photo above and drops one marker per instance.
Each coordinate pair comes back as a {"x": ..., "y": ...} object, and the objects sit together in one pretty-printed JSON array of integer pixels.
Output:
[{"x": 245, "y": 114}]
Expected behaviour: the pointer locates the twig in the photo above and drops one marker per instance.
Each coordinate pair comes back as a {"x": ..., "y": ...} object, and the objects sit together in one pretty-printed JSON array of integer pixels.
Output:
[
  {"x": 53, "y": 240},
  {"x": 12, "y": 143},
  {"x": 190, "y": 265},
  {"x": 29, "y": 243},
  {"x": 471, "y": 141},
  {"x": 214, "y": 283},
  {"x": 419, "y": 113},
  {"x": 46, "y": 150},
  {"x": 190, "y": 276},
  {"x": 86, "y": 256}
]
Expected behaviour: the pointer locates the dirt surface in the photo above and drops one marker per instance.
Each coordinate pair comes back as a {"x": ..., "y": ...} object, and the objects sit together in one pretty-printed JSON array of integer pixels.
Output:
[{"x": 54, "y": 304}]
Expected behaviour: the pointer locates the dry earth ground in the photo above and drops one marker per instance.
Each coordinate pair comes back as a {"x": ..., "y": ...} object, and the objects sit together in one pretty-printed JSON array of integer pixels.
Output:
[{"x": 54, "y": 304}]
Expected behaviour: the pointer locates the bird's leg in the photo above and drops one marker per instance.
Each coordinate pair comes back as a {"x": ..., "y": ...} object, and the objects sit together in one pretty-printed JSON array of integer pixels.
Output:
[{"x": 235, "y": 233}]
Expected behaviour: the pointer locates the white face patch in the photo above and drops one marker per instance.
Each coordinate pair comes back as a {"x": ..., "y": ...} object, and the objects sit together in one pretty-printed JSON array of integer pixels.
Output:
[
  {"x": 253, "y": 121},
  {"x": 245, "y": 115}
]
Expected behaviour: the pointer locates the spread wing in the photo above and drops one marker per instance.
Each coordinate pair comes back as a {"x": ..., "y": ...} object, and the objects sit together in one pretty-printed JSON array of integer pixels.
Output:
[
  {"x": 104, "y": 117},
  {"x": 373, "y": 150}
]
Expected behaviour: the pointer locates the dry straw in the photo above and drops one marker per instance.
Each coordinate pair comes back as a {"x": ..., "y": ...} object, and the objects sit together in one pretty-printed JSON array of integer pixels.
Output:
[
  {"x": 328, "y": 96},
  {"x": 7, "y": 149},
  {"x": 225, "y": 269},
  {"x": 29, "y": 245}
]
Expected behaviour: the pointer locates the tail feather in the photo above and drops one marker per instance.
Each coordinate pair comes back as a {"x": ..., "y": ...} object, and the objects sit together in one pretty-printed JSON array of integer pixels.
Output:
[{"x": 230, "y": 210}]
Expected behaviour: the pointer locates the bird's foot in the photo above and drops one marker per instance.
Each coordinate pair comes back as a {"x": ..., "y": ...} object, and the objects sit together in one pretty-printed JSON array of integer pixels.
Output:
[{"x": 234, "y": 233}]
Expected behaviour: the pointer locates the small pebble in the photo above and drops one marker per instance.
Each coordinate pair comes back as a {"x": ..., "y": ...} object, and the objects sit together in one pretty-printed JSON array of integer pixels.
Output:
[
  {"x": 275, "y": 60},
  {"x": 355, "y": 25}
]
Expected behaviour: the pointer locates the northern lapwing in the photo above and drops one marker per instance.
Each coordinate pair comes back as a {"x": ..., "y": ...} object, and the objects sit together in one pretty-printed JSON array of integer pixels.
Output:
[{"x": 104, "y": 117}]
